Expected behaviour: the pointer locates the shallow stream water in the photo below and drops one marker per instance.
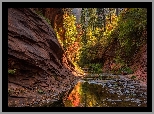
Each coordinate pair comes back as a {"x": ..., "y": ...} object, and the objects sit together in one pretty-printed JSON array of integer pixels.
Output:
[{"x": 107, "y": 92}]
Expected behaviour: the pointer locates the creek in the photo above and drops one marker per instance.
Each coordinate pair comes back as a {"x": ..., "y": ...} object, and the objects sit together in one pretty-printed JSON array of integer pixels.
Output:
[{"x": 106, "y": 91}]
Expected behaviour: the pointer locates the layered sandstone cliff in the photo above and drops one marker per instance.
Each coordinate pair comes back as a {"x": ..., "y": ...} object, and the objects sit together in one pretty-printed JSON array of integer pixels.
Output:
[{"x": 43, "y": 73}]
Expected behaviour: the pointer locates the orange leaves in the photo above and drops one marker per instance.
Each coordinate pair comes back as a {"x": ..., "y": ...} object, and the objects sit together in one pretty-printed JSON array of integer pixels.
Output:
[
  {"x": 65, "y": 15},
  {"x": 78, "y": 25},
  {"x": 74, "y": 96},
  {"x": 109, "y": 27},
  {"x": 73, "y": 51},
  {"x": 73, "y": 47},
  {"x": 115, "y": 66},
  {"x": 113, "y": 17}
]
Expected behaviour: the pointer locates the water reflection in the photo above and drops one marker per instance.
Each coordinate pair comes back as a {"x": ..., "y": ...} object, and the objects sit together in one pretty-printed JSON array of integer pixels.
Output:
[
  {"x": 87, "y": 94},
  {"x": 74, "y": 97}
]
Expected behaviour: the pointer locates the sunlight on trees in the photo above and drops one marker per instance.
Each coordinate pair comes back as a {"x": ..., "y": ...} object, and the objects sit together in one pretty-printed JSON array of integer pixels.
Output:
[{"x": 98, "y": 29}]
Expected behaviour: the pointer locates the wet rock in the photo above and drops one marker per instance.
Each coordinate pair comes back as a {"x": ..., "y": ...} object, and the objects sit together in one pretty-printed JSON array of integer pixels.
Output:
[
  {"x": 131, "y": 86},
  {"x": 127, "y": 92},
  {"x": 109, "y": 85},
  {"x": 128, "y": 99},
  {"x": 122, "y": 92},
  {"x": 111, "y": 91}
]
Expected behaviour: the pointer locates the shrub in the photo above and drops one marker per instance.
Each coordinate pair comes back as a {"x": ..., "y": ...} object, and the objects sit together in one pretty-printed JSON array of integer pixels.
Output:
[
  {"x": 96, "y": 68},
  {"x": 127, "y": 70},
  {"x": 40, "y": 91},
  {"x": 40, "y": 13},
  {"x": 133, "y": 77},
  {"x": 11, "y": 71},
  {"x": 131, "y": 25}
]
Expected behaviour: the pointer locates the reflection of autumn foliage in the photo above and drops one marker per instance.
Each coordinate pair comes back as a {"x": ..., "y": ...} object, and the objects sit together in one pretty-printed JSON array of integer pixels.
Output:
[
  {"x": 74, "y": 96},
  {"x": 75, "y": 99}
]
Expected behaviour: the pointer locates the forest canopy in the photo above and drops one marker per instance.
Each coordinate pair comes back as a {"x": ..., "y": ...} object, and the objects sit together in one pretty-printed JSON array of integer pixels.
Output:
[{"x": 98, "y": 29}]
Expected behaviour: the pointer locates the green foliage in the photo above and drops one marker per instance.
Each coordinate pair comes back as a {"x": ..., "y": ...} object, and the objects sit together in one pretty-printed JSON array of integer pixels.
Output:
[
  {"x": 92, "y": 32},
  {"x": 40, "y": 91},
  {"x": 118, "y": 59},
  {"x": 117, "y": 72},
  {"x": 69, "y": 37},
  {"x": 49, "y": 22},
  {"x": 10, "y": 91},
  {"x": 127, "y": 69},
  {"x": 12, "y": 71},
  {"x": 133, "y": 77},
  {"x": 123, "y": 69},
  {"x": 101, "y": 28},
  {"x": 96, "y": 68},
  {"x": 130, "y": 26},
  {"x": 40, "y": 13},
  {"x": 71, "y": 31}
]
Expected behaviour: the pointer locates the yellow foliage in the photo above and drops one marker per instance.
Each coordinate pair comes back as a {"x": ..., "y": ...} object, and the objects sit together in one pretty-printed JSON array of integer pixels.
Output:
[{"x": 110, "y": 26}]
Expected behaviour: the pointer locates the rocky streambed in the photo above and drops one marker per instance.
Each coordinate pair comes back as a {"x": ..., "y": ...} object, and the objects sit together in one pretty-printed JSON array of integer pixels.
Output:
[
  {"x": 107, "y": 91},
  {"x": 93, "y": 91}
]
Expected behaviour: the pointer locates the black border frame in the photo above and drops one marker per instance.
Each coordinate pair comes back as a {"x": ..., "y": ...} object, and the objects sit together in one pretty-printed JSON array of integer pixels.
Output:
[{"x": 6, "y": 5}]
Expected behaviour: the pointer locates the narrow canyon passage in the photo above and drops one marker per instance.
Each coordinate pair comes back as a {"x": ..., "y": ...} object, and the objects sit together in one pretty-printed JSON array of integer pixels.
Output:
[{"x": 77, "y": 57}]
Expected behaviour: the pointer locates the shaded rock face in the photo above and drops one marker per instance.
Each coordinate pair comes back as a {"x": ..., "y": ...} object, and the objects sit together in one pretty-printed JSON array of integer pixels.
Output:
[
  {"x": 55, "y": 15},
  {"x": 42, "y": 69}
]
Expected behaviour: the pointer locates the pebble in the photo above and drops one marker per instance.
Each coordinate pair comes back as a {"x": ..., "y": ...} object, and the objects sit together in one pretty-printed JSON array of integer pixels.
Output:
[
  {"x": 131, "y": 87},
  {"x": 127, "y": 99},
  {"x": 118, "y": 100},
  {"x": 126, "y": 91},
  {"x": 132, "y": 99},
  {"x": 110, "y": 85},
  {"x": 109, "y": 100}
]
